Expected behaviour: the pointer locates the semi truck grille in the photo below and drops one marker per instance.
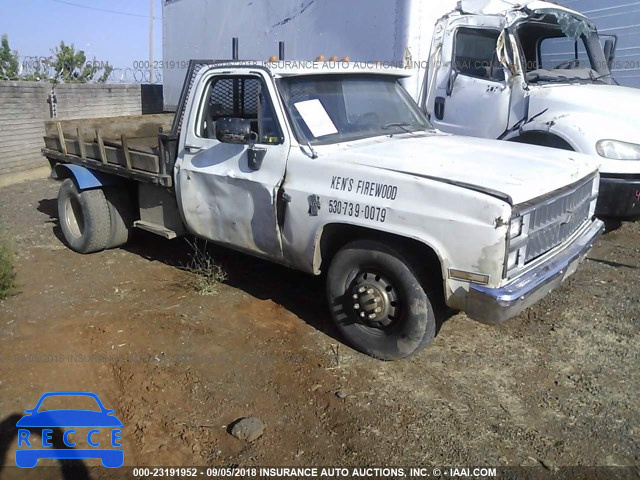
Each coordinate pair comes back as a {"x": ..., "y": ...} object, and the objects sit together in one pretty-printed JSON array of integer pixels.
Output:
[{"x": 554, "y": 221}]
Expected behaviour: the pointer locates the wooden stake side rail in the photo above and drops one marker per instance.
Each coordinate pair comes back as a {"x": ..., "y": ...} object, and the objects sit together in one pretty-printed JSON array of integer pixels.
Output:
[
  {"x": 140, "y": 176},
  {"x": 108, "y": 156}
]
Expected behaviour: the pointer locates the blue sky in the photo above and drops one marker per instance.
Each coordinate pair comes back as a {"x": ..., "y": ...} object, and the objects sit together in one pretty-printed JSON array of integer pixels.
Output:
[{"x": 36, "y": 26}]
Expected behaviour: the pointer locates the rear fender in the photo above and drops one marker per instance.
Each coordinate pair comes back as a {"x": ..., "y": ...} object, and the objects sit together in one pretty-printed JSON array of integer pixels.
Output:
[{"x": 84, "y": 178}]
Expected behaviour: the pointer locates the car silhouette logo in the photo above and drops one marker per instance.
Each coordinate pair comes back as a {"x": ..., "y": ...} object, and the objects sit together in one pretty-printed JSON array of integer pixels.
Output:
[{"x": 66, "y": 420}]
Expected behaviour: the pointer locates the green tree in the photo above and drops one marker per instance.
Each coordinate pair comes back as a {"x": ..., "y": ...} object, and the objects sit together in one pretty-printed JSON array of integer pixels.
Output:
[
  {"x": 9, "y": 63},
  {"x": 107, "y": 70},
  {"x": 39, "y": 71},
  {"x": 72, "y": 66}
]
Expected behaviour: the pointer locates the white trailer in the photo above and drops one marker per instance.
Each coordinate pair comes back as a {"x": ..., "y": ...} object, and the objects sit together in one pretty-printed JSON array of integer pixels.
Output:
[
  {"x": 390, "y": 31},
  {"x": 527, "y": 71}
]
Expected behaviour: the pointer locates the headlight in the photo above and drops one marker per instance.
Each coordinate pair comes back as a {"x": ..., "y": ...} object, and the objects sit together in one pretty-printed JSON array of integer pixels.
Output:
[
  {"x": 513, "y": 260},
  {"x": 515, "y": 229},
  {"x": 517, "y": 243},
  {"x": 617, "y": 150}
]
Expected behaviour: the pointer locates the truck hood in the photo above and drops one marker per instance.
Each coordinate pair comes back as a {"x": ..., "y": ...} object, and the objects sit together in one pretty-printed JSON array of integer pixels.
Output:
[
  {"x": 616, "y": 105},
  {"x": 514, "y": 172}
]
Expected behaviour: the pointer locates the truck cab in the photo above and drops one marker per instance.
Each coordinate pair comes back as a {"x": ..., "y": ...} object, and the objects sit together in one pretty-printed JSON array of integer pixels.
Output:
[{"x": 536, "y": 73}]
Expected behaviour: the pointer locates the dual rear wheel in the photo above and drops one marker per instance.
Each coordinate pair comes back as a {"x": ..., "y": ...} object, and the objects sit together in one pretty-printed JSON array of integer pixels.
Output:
[{"x": 94, "y": 220}]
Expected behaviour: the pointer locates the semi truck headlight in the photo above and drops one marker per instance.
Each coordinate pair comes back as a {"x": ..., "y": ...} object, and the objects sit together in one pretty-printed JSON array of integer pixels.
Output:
[{"x": 616, "y": 150}]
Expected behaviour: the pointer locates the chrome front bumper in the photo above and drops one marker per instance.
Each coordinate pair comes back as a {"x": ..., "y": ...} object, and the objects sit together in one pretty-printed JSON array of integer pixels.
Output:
[{"x": 496, "y": 305}]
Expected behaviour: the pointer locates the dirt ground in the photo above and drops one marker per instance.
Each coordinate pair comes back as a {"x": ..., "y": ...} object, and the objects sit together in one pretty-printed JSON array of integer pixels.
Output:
[{"x": 556, "y": 386}]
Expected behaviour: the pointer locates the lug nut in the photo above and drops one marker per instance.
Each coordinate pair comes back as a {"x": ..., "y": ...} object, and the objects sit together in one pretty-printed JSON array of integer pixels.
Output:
[
  {"x": 378, "y": 310},
  {"x": 362, "y": 315},
  {"x": 355, "y": 296},
  {"x": 370, "y": 291},
  {"x": 372, "y": 316},
  {"x": 356, "y": 306},
  {"x": 362, "y": 290}
]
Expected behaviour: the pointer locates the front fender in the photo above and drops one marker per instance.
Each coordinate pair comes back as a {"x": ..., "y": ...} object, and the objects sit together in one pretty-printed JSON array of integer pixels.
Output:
[
  {"x": 84, "y": 178},
  {"x": 582, "y": 132}
]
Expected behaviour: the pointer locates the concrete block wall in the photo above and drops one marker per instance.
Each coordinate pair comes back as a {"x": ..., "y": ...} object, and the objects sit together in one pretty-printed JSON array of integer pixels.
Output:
[{"x": 24, "y": 107}]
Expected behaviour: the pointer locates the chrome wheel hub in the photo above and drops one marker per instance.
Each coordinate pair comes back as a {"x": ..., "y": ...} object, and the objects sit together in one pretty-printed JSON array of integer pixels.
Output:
[
  {"x": 374, "y": 300},
  {"x": 73, "y": 217}
]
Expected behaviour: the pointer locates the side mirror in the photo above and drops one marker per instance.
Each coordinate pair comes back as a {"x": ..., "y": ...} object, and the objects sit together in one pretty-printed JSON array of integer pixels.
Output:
[
  {"x": 233, "y": 130},
  {"x": 255, "y": 155},
  {"x": 609, "y": 51}
]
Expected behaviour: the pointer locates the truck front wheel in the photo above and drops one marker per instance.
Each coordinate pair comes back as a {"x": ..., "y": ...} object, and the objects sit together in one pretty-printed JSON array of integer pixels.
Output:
[
  {"x": 84, "y": 218},
  {"x": 378, "y": 301}
]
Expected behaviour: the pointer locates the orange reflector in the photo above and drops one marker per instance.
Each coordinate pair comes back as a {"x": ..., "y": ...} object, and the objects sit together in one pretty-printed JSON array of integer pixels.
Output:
[{"x": 320, "y": 58}]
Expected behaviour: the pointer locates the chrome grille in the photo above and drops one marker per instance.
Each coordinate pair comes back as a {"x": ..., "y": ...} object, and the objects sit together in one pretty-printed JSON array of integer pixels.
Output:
[{"x": 554, "y": 221}]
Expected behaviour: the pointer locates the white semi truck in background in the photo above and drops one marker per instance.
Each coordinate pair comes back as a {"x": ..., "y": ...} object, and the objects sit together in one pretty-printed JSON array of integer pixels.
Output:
[{"x": 528, "y": 71}]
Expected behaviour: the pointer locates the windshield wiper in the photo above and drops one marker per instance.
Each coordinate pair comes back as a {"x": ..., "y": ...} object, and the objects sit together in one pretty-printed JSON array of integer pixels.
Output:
[
  {"x": 600, "y": 77},
  {"x": 544, "y": 78},
  {"x": 403, "y": 125}
]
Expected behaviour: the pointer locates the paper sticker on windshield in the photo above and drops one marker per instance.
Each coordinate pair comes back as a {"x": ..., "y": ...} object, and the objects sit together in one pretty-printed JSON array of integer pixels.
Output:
[{"x": 316, "y": 118}]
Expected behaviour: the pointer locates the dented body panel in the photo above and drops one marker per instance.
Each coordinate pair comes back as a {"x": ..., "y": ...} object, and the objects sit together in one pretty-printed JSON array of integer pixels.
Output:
[{"x": 220, "y": 197}]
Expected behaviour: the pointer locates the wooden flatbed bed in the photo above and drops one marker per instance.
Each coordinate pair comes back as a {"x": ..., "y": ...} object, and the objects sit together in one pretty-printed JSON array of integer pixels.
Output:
[{"x": 133, "y": 146}]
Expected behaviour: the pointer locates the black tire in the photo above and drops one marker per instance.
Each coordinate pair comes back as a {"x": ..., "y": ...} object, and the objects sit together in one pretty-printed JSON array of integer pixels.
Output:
[
  {"x": 122, "y": 217},
  {"x": 406, "y": 322},
  {"x": 84, "y": 218}
]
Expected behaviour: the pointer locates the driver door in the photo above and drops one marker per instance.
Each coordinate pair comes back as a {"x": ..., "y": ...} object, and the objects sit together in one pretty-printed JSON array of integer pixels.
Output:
[
  {"x": 224, "y": 196},
  {"x": 470, "y": 95}
]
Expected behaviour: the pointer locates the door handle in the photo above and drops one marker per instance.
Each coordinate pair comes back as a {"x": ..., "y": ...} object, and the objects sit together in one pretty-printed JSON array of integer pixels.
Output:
[{"x": 193, "y": 148}]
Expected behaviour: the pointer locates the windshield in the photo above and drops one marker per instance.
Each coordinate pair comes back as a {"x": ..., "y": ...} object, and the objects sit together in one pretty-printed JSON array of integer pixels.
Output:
[
  {"x": 328, "y": 109},
  {"x": 558, "y": 46}
]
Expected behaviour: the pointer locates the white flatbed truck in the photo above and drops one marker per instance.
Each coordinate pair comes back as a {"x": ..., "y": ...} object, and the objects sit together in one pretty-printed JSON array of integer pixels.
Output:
[{"x": 302, "y": 168}]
